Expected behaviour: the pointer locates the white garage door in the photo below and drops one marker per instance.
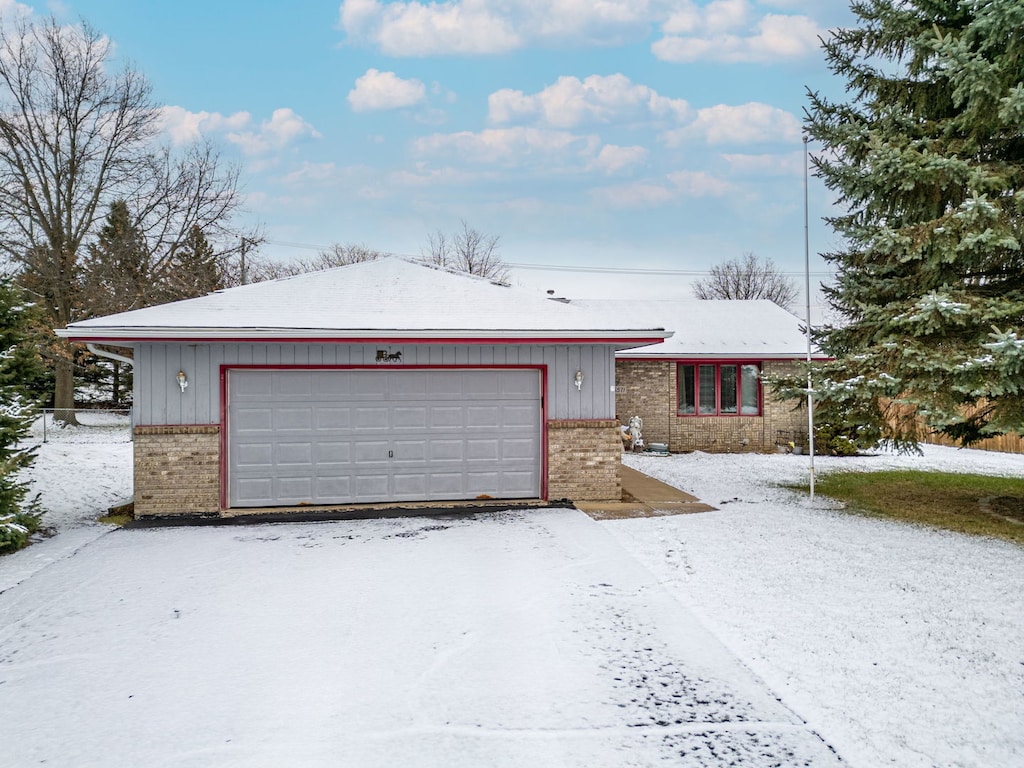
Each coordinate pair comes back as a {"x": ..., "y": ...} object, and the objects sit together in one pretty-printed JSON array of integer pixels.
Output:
[{"x": 345, "y": 437}]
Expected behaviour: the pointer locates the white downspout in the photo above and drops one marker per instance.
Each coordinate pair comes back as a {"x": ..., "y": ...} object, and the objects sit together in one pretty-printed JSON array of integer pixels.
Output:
[{"x": 110, "y": 355}]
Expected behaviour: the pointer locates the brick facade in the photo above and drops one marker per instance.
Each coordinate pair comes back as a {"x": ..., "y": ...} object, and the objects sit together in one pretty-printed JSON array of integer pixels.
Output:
[
  {"x": 177, "y": 470},
  {"x": 177, "y": 467},
  {"x": 584, "y": 460},
  {"x": 648, "y": 388}
]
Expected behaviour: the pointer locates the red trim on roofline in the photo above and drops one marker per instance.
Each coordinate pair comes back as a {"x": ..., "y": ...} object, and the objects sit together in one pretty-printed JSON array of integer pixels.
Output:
[
  {"x": 719, "y": 358},
  {"x": 371, "y": 340}
]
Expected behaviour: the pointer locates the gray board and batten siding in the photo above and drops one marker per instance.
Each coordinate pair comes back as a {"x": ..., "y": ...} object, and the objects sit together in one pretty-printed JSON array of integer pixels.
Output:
[{"x": 159, "y": 400}]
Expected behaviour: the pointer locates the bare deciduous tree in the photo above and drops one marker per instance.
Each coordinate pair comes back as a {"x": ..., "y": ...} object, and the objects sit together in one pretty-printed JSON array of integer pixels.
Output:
[
  {"x": 468, "y": 250},
  {"x": 76, "y": 135},
  {"x": 337, "y": 255},
  {"x": 748, "y": 278}
]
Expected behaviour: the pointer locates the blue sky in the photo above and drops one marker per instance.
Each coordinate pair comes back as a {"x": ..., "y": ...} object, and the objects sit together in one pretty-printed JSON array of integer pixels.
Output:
[{"x": 648, "y": 134}]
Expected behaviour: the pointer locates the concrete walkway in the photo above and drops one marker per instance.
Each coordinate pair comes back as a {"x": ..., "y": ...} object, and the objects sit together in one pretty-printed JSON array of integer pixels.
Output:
[{"x": 643, "y": 496}]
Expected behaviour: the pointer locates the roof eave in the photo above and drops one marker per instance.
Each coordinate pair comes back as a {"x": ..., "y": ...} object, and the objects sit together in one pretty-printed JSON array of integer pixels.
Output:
[{"x": 100, "y": 334}]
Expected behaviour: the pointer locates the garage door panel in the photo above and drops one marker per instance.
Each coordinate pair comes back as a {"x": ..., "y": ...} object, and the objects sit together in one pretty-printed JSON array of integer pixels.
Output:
[
  {"x": 366, "y": 419},
  {"x": 256, "y": 491},
  {"x": 412, "y": 385},
  {"x": 483, "y": 417},
  {"x": 333, "y": 487},
  {"x": 447, "y": 485},
  {"x": 333, "y": 385},
  {"x": 300, "y": 454},
  {"x": 521, "y": 386},
  {"x": 486, "y": 385},
  {"x": 255, "y": 455},
  {"x": 409, "y": 417},
  {"x": 519, "y": 448},
  {"x": 447, "y": 450},
  {"x": 411, "y": 486},
  {"x": 248, "y": 387},
  {"x": 484, "y": 483},
  {"x": 339, "y": 437},
  {"x": 294, "y": 385},
  {"x": 483, "y": 450},
  {"x": 333, "y": 453},
  {"x": 520, "y": 482},
  {"x": 294, "y": 490},
  {"x": 367, "y": 452},
  {"x": 372, "y": 487},
  {"x": 443, "y": 385},
  {"x": 369, "y": 384},
  {"x": 405, "y": 451},
  {"x": 513, "y": 416},
  {"x": 293, "y": 419},
  {"x": 446, "y": 416},
  {"x": 329, "y": 418},
  {"x": 253, "y": 420}
]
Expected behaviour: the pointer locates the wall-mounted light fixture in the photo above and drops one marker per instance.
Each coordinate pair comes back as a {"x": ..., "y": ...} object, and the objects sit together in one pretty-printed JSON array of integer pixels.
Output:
[
  {"x": 578, "y": 380},
  {"x": 182, "y": 380}
]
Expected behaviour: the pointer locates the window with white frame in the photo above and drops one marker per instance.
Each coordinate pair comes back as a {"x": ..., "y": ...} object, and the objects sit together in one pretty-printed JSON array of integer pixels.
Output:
[{"x": 718, "y": 389}]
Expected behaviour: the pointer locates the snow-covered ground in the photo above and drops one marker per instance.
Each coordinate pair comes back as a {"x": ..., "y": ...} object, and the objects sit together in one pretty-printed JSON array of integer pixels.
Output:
[
  {"x": 522, "y": 639},
  {"x": 901, "y": 645}
]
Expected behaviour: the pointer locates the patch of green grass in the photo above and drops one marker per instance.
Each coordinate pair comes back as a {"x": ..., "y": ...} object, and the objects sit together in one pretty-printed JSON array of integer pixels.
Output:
[
  {"x": 117, "y": 518},
  {"x": 975, "y": 504}
]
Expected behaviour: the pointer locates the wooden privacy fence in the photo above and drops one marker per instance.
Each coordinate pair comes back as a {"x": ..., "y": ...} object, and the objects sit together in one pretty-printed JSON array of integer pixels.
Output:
[{"x": 1008, "y": 443}]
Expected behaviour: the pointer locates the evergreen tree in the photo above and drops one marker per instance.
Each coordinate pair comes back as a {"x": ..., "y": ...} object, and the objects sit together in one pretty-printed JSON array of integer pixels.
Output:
[
  {"x": 19, "y": 364},
  {"x": 927, "y": 160},
  {"x": 195, "y": 270},
  {"x": 116, "y": 274}
]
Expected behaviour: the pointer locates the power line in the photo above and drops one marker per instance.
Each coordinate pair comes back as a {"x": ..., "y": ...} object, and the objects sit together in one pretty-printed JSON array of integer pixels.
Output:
[{"x": 558, "y": 267}]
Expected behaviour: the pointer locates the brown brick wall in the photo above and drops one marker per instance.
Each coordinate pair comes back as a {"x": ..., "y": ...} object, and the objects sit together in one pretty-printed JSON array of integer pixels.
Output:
[
  {"x": 584, "y": 460},
  {"x": 177, "y": 470},
  {"x": 648, "y": 388}
]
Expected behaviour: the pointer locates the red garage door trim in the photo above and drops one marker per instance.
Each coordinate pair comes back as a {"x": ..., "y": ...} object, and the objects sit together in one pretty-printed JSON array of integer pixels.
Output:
[{"x": 224, "y": 369}]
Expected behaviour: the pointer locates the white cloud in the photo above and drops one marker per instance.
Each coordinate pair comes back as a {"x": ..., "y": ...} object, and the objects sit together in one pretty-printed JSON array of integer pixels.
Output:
[
  {"x": 377, "y": 90},
  {"x": 680, "y": 184},
  {"x": 638, "y": 195},
  {"x": 184, "y": 127},
  {"x": 510, "y": 146},
  {"x": 731, "y": 31},
  {"x": 612, "y": 159},
  {"x": 311, "y": 173},
  {"x": 721, "y": 30},
  {"x": 788, "y": 164},
  {"x": 424, "y": 176},
  {"x": 414, "y": 28},
  {"x": 571, "y": 102},
  {"x": 417, "y": 29},
  {"x": 283, "y": 128},
  {"x": 750, "y": 123},
  {"x": 699, "y": 184}
]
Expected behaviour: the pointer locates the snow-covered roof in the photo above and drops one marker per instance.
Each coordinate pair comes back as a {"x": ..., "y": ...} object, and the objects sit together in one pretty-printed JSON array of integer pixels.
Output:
[
  {"x": 714, "y": 328},
  {"x": 389, "y": 298}
]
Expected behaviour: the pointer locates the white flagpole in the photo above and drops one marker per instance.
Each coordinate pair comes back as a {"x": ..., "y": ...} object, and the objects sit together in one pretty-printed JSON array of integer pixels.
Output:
[{"x": 807, "y": 290}]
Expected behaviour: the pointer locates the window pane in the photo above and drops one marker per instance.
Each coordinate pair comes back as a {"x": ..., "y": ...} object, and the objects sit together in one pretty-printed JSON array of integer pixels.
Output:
[
  {"x": 707, "y": 389},
  {"x": 750, "y": 386},
  {"x": 728, "y": 378},
  {"x": 687, "y": 390}
]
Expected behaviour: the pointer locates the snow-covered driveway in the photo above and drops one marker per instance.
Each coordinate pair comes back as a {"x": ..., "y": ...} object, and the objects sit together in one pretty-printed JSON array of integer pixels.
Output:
[{"x": 513, "y": 639}]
